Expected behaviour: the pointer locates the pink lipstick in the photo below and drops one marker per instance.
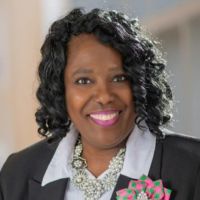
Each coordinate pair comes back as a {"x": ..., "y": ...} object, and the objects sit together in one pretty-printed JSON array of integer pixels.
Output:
[{"x": 105, "y": 118}]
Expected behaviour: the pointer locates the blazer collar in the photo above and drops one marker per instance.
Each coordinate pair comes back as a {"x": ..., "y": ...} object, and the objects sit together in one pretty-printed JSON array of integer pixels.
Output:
[{"x": 53, "y": 190}]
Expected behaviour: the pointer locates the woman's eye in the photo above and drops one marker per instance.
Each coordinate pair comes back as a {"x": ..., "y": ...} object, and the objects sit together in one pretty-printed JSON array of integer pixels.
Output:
[
  {"x": 83, "y": 81},
  {"x": 120, "y": 78}
]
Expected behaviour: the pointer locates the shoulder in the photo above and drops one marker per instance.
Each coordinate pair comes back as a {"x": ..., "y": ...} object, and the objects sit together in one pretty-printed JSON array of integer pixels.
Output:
[
  {"x": 29, "y": 159},
  {"x": 25, "y": 165},
  {"x": 180, "y": 155},
  {"x": 179, "y": 143},
  {"x": 180, "y": 163},
  {"x": 35, "y": 152}
]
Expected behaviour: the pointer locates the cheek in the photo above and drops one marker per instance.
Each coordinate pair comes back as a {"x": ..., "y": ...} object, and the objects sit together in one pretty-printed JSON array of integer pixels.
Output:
[
  {"x": 127, "y": 96},
  {"x": 74, "y": 102}
]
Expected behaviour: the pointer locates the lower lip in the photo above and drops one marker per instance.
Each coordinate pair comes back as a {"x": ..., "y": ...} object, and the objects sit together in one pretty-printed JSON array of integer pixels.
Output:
[{"x": 106, "y": 123}]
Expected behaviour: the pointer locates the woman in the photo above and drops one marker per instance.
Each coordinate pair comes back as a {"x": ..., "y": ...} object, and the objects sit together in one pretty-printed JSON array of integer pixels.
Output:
[{"x": 104, "y": 100}]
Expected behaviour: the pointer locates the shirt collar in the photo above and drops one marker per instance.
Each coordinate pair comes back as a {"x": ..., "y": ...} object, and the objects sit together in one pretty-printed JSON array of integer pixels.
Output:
[
  {"x": 140, "y": 149},
  {"x": 139, "y": 154},
  {"x": 59, "y": 166}
]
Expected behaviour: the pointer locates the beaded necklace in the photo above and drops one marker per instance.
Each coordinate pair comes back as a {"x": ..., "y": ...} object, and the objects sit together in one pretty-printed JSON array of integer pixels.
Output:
[{"x": 94, "y": 188}]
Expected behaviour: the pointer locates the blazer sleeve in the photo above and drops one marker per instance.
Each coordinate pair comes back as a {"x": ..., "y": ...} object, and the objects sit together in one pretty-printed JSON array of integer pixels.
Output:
[
  {"x": 1, "y": 192},
  {"x": 4, "y": 177},
  {"x": 197, "y": 186},
  {"x": 1, "y": 195}
]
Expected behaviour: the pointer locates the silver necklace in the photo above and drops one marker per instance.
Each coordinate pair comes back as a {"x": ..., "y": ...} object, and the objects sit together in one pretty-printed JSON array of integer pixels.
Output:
[{"x": 93, "y": 188}]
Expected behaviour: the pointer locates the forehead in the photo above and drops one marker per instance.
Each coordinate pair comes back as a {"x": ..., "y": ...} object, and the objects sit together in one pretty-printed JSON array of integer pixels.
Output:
[
  {"x": 86, "y": 50},
  {"x": 86, "y": 40}
]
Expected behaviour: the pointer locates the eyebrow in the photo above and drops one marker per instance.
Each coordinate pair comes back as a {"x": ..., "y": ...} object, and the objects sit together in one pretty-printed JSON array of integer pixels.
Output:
[
  {"x": 90, "y": 70},
  {"x": 82, "y": 71}
]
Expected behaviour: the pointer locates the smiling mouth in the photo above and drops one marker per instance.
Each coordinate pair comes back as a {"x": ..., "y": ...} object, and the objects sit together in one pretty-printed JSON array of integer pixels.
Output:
[{"x": 106, "y": 118}]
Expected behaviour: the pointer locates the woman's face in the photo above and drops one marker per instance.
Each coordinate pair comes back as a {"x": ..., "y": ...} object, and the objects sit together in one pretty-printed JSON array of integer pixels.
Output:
[{"x": 98, "y": 95}]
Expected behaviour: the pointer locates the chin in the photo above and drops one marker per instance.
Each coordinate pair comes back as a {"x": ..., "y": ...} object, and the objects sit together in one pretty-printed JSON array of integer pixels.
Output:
[{"x": 110, "y": 142}]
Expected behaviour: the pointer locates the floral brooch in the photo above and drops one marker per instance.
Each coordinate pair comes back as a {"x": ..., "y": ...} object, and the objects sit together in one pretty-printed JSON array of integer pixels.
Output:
[{"x": 144, "y": 189}]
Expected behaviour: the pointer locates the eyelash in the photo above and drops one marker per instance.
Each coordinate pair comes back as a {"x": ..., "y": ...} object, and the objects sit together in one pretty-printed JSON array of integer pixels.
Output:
[
  {"x": 121, "y": 77},
  {"x": 85, "y": 80}
]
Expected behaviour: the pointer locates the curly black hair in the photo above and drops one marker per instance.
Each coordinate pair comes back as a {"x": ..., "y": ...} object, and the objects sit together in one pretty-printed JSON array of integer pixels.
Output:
[{"x": 142, "y": 61}]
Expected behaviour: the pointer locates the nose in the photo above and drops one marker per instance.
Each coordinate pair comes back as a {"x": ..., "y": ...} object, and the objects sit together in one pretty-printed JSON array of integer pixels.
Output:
[{"x": 104, "y": 95}]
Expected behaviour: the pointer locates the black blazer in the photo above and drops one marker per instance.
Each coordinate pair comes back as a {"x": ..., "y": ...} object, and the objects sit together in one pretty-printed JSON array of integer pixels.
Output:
[{"x": 176, "y": 161}]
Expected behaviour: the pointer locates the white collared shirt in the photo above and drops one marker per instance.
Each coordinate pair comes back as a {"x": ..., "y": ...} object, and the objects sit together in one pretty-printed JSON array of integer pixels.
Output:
[{"x": 140, "y": 149}]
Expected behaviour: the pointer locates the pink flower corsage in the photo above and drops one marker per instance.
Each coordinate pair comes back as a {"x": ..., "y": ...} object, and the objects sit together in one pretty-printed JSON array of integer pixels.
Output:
[{"x": 144, "y": 189}]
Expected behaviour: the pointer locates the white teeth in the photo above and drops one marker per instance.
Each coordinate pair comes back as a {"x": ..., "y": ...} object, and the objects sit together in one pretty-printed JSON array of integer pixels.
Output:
[{"x": 104, "y": 117}]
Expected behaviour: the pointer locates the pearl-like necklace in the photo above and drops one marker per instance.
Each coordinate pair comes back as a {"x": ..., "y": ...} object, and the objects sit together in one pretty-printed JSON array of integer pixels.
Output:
[{"x": 94, "y": 188}]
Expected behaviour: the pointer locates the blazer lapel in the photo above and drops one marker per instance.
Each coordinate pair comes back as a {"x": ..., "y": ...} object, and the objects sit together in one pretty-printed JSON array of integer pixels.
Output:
[
  {"x": 154, "y": 172},
  {"x": 51, "y": 191},
  {"x": 121, "y": 183}
]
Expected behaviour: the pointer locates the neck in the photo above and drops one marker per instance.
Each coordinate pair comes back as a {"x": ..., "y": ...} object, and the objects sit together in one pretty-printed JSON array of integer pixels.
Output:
[
  {"x": 94, "y": 188},
  {"x": 98, "y": 159}
]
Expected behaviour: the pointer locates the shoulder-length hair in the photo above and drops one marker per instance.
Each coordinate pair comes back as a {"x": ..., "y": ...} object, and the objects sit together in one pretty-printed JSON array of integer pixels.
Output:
[{"x": 142, "y": 61}]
